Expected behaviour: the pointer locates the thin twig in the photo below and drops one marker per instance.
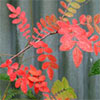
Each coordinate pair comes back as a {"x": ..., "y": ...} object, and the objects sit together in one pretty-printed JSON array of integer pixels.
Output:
[
  {"x": 29, "y": 46},
  {"x": 6, "y": 91}
]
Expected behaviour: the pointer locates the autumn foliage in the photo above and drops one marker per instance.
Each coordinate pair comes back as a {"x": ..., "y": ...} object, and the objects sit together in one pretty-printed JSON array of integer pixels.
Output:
[{"x": 74, "y": 37}]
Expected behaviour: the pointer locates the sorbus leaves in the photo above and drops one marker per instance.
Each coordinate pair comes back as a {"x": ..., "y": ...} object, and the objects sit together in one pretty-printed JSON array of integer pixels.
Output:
[
  {"x": 11, "y": 8},
  {"x": 24, "y": 76},
  {"x": 74, "y": 35},
  {"x": 20, "y": 18}
]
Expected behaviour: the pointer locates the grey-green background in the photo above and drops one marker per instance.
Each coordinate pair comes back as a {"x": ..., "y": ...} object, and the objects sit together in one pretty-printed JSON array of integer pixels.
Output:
[{"x": 11, "y": 42}]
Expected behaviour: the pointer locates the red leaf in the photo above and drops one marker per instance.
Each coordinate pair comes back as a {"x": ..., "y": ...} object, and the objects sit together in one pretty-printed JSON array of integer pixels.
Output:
[
  {"x": 44, "y": 89},
  {"x": 28, "y": 36},
  {"x": 42, "y": 78},
  {"x": 43, "y": 22},
  {"x": 15, "y": 66},
  {"x": 50, "y": 29},
  {"x": 90, "y": 28},
  {"x": 43, "y": 44},
  {"x": 46, "y": 95},
  {"x": 24, "y": 21},
  {"x": 48, "y": 50},
  {"x": 12, "y": 77},
  {"x": 35, "y": 45},
  {"x": 68, "y": 45},
  {"x": 54, "y": 65},
  {"x": 50, "y": 73},
  {"x": 10, "y": 71},
  {"x": 13, "y": 15},
  {"x": 42, "y": 57},
  {"x": 3, "y": 65},
  {"x": 18, "y": 83},
  {"x": 25, "y": 28},
  {"x": 39, "y": 50},
  {"x": 77, "y": 56},
  {"x": 98, "y": 43},
  {"x": 26, "y": 68},
  {"x": 45, "y": 65},
  {"x": 33, "y": 79},
  {"x": 39, "y": 26},
  {"x": 16, "y": 21},
  {"x": 74, "y": 21},
  {"x": 24, "y": 87},
  {"x": 95, "y": 49},
  {"x": 53, "y": 18},
  {"x": 18, "y": 10},
  {"x": 97, "y": 19},
  {"x": 85, "y": 46},
  {"x": 36, "y": 89},
  {"x": 9, "y": 62},
  {"x": 30, "y": 84},
  {"x": 37, "y": 32},
  {"x": 82, "y": 19},
  {"x": 35, "y": 73},
  {"x": 89, "y": 19},
  {"x": 61, "y": 11},
  {"x": 63, "y": 4},
  {"x": 22, "y": 15},
  {"x": 52, "y": 58},
  {"x": 97, "y": 28},
  {"x": 94, "y": 38},
  {"x": 6, "y": 64},
  {"x": 11, "y": 8},
  {"x": 27, "y": 32}
]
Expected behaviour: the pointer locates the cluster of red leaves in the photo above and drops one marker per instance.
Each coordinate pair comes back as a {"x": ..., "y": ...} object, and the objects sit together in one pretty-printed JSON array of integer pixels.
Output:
[
  {"x": 45, "y": 53},
  {"x": 77, "y": 37},
  {"x": 45, "y": 26},
  {"x": 49, "y": 23},
  {"x": 19, "y": 17},
  {"x": 26, "y": 77}
]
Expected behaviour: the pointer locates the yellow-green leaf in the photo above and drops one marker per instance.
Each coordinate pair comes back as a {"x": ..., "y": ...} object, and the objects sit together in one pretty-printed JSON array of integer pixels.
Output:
[
  {"x": 72, "y": 10},
  {"x": 68, "y": 0},
  {"x": 75, "y": 5},
  {"x": 62, "y": 90},
  {"x": 69, "y": 14},
  {"x": 80, "y": 1},
  {"x": 65, "y": 83}
]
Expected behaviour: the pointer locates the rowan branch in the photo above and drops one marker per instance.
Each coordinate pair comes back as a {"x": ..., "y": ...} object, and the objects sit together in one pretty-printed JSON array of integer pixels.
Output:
[{"x": 29, "y": 46}]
